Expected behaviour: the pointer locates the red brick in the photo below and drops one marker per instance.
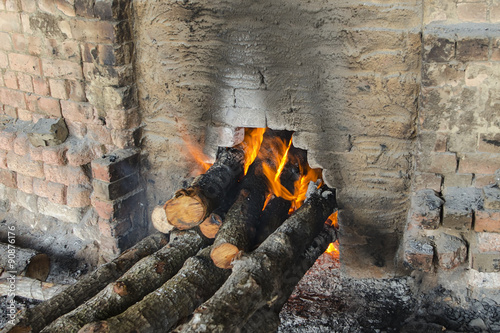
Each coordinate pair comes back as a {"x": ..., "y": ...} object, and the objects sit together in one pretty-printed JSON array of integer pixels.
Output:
[
  {"x": 47, "y": 6},
  {"x": 100, "y": 133},
  {"x": 56, "y": 193},
  {"x": 4, "y": 60},
  {"x": 5, "y": 41},
  {"x": 123, "y": 119},
  {"x": 25, "y": 166},
  {"x": 21, "y": 144},
  {"x": 489, "y": 143},
  {"x": 78, "y": 196},
  {"x": 66, "y": 175},
  {"x": 488, "y": 242},
  {"x": 80, "y": 153},
  {"x": 25, "y": 82},
  {"x": 25, "y": 183},
  {"x": 55, "y": 155},
  {"x": 10, "y": 80},
  {"x": 8, "y": 178},
  {"x": 116, "y": 165},
  {"x": 472, "y": 49},
  {"x": 20, "y": 42},
  {"x": 10, "y": 22},
  {"x": 40, "y": 86},
  {"x": 35, "y": 45},
  {"x": 58, "y": 88},
  {"x": 50, "y": 106},
  {"x": 62, "y": 69},
  {"x": 25, "y": 63},
  {"x": 76, "y": 128},
  {"x": 10, "y": 111},
  {"x": 36, "y": 153},
  {"x": 103, "y": 208},
  {"x": 40, "y": 187},
  {"x": 3, "y": 159},
  {"x": 441, "y": 163},
  {"x": 487, "y": 221},
  {"x": 25, "y": 115},
  {"x": 7, "y": 140},
  {"x": 483, "y": 180},
  {"x": 479, "y": 163},
  {"x": 66, "y": 8},
  {"x": 81, "y": 112},
  {"x": 31, "y": 102},
  {"x": 28, "y": 6}
]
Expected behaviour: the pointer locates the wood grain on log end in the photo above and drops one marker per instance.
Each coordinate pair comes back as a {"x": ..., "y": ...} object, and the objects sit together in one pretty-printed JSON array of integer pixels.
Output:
[
  {"x": 185, "y": 212},
  {"x": 211, "y": 225},
  {"x": 20, "y": 329},
  {"x": 120, "y": 288},
  {"x": 38, "y": 267},
  {"x": 159, "y": 220},
  {"x": 224, "y": 254}
]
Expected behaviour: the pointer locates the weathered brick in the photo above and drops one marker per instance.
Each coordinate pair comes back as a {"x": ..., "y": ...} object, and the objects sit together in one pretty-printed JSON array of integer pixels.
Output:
[
  {"x": 40, "y": 86},
  {"x": 80, "y": 153},
  {"x": 7, "y": 140},
  {"x": 28, "y": 6},
  {"x": 48, "y": 132},
  {"x": 36, "y": 153},
  {"x": 67, "y": 8},
  {"x": 489, "y": 143},
  {"x": 25, "y": 166},
  {"x": 114, "y": 228},
  {"x": 480, "y": 163},
  {"x": 25, "y": 82},
  {"x": 55, "y": 155},
  {"x": 114, "y": 190},
  {"x": 78, "y": 196},
  {"x": 25, "y": 63},
  {"x": 100, "y": 133},
  {"x": 62, "y": 69},
  {"x": 67, "y": 175},
  {"x": 3, "y": 159},
  {"x": 441, "y": 163},
  {"x": 40, "y": 187},
  {"x": 76, "y": 128},
  {"x": 8, "y": 178},
  {"x": 487, "y": 221},
  {"x": 84, "y": 8},
  {"x": 120, "y": 208},
  {"x": 21, "y": 144},
  {"x": 472, "y": 49},
  {"x": 58, "y": 89},
  {"x": 10, "y": 111},
  {"x": 472, "y": 12},
  {"x": 112, "y": 55},
  {"x": 425, "y": 209},
  {"x": 491, "y": 196},
  {"x": 458, "y": 207},
  {"x": 451, "y": 251},
  {"x": 116, "y": 165},
  {"x": 458, "y": 180},
  {"x": 26, "y": 24},
  {"x": 56, "y": 193},
  {"x": 94, "y": 31},
  {"x": 5, "y": 41},
  {"x": 123, "y": 119},
  {"x": 61, "y": 212},
  {"x": 12, "y": 5},
  {"x": 483, "y": 180},
  {"x": 418, "y": 254},
  {"x": 78, "y": 111},
  {"x": 25, "y": 115},
  {"x": 67, "y": 50},
  {"x": 35, "y": 45},
  {"x": 49, "y": 106},
  {"x": 76, "y": 91},
  {"x": 20, "y": 43},
  {"x": 488, "y": 242},
  {"x": 27, "y": 201},
  {"x": 4, "y": 60},
  {"x": 10, "y": 80},
  {"x": 488, "y": 262},
  {"x": 25, "y": 183},
  {"x": 10, "y": 22},
  {"x": 438, "y": 49}
]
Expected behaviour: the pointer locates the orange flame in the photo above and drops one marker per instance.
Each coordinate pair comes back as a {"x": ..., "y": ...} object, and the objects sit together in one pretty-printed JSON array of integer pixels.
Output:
[
  {"x": 198, "y": 156},
  {"x": 301, "y": 185},
  {"x": 251, "y": 145},
  {"x": 333, "y": 250}
]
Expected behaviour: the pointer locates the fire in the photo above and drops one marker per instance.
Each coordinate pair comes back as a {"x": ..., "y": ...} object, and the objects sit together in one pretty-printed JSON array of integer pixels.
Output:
[
  {"x": 198, "y": 156},
  {"x": 333, "y": 250},
  {"x": 251, "y": 143}
]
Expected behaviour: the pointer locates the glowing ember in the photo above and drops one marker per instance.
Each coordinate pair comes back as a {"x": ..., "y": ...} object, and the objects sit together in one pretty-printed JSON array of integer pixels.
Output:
[
  {"x": 251, "y": 143},
  {"x": 333, "y": 250}
]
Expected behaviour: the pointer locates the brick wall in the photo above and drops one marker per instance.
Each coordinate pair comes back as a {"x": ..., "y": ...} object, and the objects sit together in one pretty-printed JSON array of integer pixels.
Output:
[
  {"x": 458, "y": 139},
  {"x": 69, "y": 60}
]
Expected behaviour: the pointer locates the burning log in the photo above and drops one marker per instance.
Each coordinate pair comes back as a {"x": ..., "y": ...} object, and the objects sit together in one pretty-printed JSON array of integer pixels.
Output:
[
  {"x": 256, "y": 278},
  {"x": 161, "y": 310},
  {"x": 144, "y": 277},
  {"x": 191, "y": 206},
  {"x": 28, "y": 262},
  {"x": 44, "y": 313},
  {"x": 31, "y": 288},
  {"x": 266, "y": 319}
]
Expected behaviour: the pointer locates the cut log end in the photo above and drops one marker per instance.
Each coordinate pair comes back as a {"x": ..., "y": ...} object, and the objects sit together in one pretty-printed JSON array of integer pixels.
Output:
[
  {"x": 185, "y": 212},
  {"x": 159, "y": 220},
  {"x": 97, "y": 327},
  {"x": 39, "y": 267},
  {"x": 224, "y": 254},
  {"x": 211, "y": 225}
]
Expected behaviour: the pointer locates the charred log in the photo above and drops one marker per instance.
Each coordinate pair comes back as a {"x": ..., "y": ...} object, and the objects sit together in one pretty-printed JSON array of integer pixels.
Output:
[
  {"x": 43, "y": 314},
  {"x": 161, "y": 310},
  {"x": 144, "y": 277},
  {"x": 256, "y": 278}
]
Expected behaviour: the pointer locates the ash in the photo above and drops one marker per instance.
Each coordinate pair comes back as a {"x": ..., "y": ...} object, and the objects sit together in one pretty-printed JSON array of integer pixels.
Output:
[{"x": 324, "y": 301}]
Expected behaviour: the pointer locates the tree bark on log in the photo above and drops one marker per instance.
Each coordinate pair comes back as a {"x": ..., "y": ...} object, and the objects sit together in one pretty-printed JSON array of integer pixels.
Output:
[
  {"x": 44, "y": 313},
  {"x": 267, "y": 319},
  {"x": 237, "y": 233},
  {"x": 27, "y": 262},
  {"x": 31, "y": 288},
  {"x": 191, "y": 206},
  {"x": 162, "y": 309},
  {"x": 144, "y": 277},
  {"x": 256, "y": 278}
]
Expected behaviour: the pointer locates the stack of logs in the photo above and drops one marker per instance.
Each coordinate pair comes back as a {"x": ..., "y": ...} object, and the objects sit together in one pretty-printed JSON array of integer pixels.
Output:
[{"x": 221, "y": 263}]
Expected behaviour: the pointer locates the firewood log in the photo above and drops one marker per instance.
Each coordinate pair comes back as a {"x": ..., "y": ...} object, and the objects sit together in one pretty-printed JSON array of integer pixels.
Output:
[
  {"x": 141, "y": 279},
  {"x": 191, "y": 206},
  {"x": 273, "y": 216},
  {"x": 26, "y": 262},
  {"x": 257, "y": 277},
  {"x": 31, "y": 288},
  {"x": 238, "y": 231},
  {"x": 266, "y": 319},
  {"x": 44, "y": 313},
  {"x": 161, "y": 310}
]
